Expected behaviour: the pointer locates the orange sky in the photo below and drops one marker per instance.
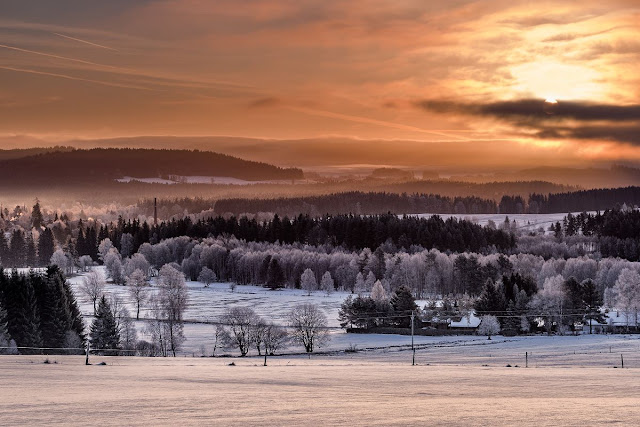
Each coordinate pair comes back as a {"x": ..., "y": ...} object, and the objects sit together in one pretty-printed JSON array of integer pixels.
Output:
[{"x": 409, "y": 70}]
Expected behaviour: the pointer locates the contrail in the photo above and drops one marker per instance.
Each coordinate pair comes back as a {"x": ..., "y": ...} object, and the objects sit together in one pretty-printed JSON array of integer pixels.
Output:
[
  {"x": 130, "y": 71},
  {"x": 374, "y": 121},
  {"x": 65, "y": 76},
  {"x": 66, "y": 58},
  {"x": 86, "y": 42}
]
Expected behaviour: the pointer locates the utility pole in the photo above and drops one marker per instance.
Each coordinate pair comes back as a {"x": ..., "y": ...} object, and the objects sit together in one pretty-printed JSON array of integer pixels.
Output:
[{"x": 413, "y": 349}]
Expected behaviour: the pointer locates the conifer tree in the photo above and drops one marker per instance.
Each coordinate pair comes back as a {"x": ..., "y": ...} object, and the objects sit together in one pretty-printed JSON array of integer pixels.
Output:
[
  {"x": 21, "y": 305},
  {"x": 36, "y": 216},
  {"x": 46, "y": 247},
  {"x": 31, "y": 255},
  {"x": 104, "y": 329},
  {"x": 4, "y": 251},
  {"x": 275, "y": 275},
  {"x": 403, "y": 304}
]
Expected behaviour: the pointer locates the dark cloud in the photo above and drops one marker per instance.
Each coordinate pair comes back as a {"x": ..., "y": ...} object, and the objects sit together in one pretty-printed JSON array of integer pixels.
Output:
[
  {"x": 265, "y": 102},
  {"x": 628, "y": 134},
  {"x": 614, "y": 122},
  {"x": 538, "y": 110}
]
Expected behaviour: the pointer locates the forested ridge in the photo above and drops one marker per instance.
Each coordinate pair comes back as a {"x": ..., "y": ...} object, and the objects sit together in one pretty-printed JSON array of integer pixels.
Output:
[{"x": 97, "y": 164}]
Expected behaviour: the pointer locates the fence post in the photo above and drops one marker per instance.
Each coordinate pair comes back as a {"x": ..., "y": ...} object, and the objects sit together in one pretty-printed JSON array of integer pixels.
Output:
[
  {"x": 622, "y": 361},
  {"x": 86, "y": 360},
  {"x": 526, "y": 359}
]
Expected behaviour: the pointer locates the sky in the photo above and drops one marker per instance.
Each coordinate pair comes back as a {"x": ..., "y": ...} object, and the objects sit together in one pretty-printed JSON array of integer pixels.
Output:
[{"x": 555, "y": 81}]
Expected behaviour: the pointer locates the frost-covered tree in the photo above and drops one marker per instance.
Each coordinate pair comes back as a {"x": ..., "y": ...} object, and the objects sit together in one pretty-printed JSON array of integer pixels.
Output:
[
  {"x": 240, "y": 321},
  {"x": 207, "y": 276},
  {"x": 326, "y": 283},
  {"x": 489, "y": 326},
  {"x": 308, "y": 281},
  {"x": 309, "y": 326},
  {"x": 84, "y": 263},
  {"x": 137, "y": 262},
  {"x": 138, "y": 289},
  {"x": 92, "y": 288},
  {"x": 104, "y": 247},
  {"x": 113, "y": 265},
  {"x": 627, "y": 295},
  {"x": 370, "y": 281},
  {"x": 60, "y": 259},
  {"x": 172, "y": 298},
  {"x": 549, "y": 302},
  {"x": 359, "y": 285},
  {"x": 378, "y": 294}
]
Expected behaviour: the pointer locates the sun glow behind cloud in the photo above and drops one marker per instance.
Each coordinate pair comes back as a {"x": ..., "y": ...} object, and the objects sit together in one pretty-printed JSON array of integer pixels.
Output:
[{"x": 188, "y": 67}]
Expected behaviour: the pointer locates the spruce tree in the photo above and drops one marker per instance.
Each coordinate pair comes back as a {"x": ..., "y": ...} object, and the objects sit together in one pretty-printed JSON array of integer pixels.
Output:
[
  {"x": 104, "y": 330},
  {"x": 18, "y": 252},
  {"x": 21, "y": 305},
  {"x": 36, "y": 216},
  {"x": 4, "y": 250},
  {"x": 46, "y": 247},
  {"x": 31, "y": 255},
  {"x": 403, "y": 304},
  {"x": 512, "y": 322},
  {"x": 275, "y": 275},
  {"x": 55, "y": 316}
]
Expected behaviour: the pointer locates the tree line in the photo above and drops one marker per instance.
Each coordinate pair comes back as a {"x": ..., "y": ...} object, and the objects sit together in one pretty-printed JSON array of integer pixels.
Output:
[{"x": 39, "y": 310}]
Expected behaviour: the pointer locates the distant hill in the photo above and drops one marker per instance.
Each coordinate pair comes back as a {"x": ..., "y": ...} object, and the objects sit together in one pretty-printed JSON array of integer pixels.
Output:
[
  {"x": 26, "y": 152},
  {"x": 82, "y": 166},
  {"x": 616, "y": 176}
]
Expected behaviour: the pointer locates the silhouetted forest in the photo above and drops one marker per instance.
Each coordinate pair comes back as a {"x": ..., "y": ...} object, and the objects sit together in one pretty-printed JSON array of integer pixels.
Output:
[{"x": 107, "y": 164}]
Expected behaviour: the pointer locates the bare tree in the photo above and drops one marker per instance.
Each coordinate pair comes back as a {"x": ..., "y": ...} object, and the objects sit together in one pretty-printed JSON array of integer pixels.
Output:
[
  {"x": 138, "y": 289},
  {"x": 275, "y": 338},
  {"x": 240, "y": 321},
  {"x": 221, "y": 337},
  {"x": 92, "y": 287},
  {"x": 172, "y": 299},
  {"x": 309, "y": 326}
]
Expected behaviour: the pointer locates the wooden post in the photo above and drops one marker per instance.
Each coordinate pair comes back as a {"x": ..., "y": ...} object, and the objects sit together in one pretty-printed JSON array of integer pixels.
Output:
[
  {"x": 86, "y": 361},
  {"x": 265, "y": 357},
  {"x": 622, "y": 361},
  {"x": 526, "y": 359},
  {"x": 413, "y": 349}
]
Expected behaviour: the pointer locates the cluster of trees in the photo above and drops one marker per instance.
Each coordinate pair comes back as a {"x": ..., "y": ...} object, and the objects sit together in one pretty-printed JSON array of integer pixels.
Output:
[
  {"x": 242, "y": 328},
  {"x": 372, "y": 203},
  {"x": 616, "y": 232},
  {"x": 359, "y": 203},
  {"x": 378, "y": 310},
  {"x": 113, "y": 330},
  {"x": 39, "y": 310},
  {"x": 350, "y": 231}
]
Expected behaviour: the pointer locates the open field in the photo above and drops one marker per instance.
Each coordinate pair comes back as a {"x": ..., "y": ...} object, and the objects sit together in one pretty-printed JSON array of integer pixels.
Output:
[{"x": 358, "y": 391}]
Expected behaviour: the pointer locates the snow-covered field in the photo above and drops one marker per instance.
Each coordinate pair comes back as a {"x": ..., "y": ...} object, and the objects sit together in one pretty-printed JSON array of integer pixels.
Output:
[
  {"x": 450, "y": 386},
  {"x": 207, "y": 304}
]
